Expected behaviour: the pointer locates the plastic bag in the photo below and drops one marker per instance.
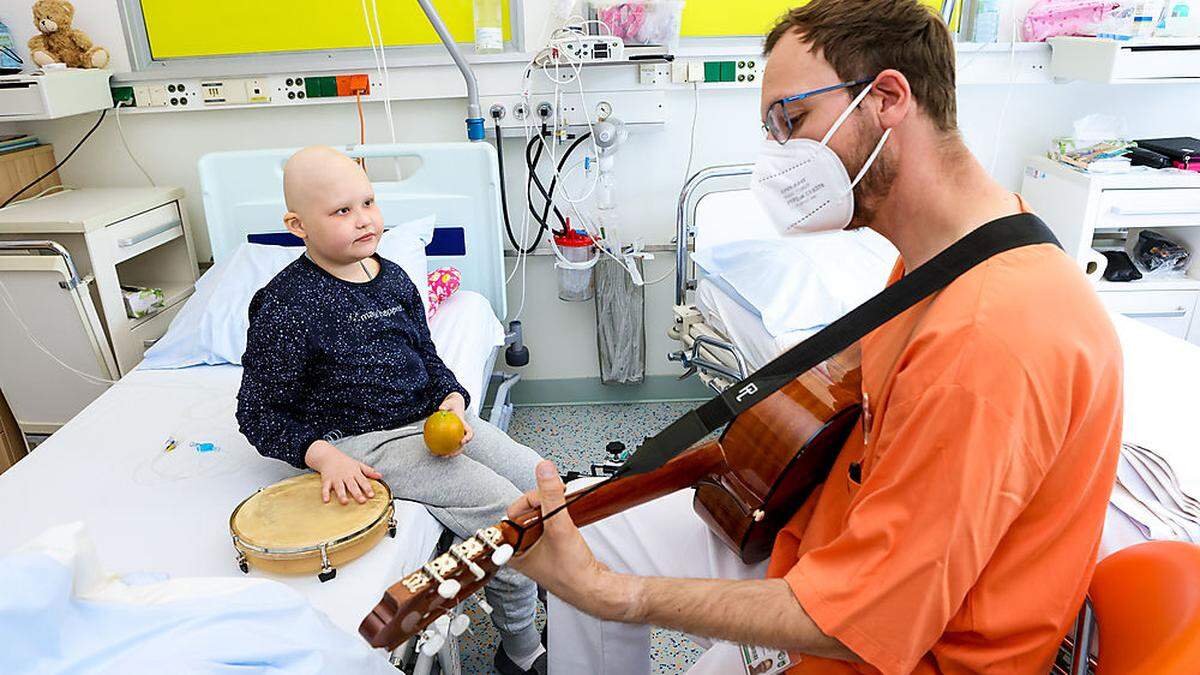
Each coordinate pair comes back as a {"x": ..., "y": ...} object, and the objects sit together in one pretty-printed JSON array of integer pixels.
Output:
[
  {"x": 620, "y": 323},
  {"x": 642, "y": 22},
  {"x": 1159, "y": 256},
  {"x": 1050, "y": 18},
  {"x": 1120, "y": 267}
]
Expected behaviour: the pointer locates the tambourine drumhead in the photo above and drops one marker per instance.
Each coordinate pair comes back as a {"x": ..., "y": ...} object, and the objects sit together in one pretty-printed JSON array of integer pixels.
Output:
[{"x": 288, "y": 522}]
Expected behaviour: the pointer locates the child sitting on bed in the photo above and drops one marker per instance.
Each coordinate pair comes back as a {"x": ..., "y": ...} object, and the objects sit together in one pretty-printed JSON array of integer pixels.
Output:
[{"x": 340, "y": 372}]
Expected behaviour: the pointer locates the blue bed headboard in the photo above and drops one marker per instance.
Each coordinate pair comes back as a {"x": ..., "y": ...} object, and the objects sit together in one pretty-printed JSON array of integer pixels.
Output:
[{"x": 456, "y": 182}]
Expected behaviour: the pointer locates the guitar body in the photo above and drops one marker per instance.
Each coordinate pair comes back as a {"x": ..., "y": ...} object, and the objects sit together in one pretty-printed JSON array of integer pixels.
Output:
[{"x": 777, "y": 452}]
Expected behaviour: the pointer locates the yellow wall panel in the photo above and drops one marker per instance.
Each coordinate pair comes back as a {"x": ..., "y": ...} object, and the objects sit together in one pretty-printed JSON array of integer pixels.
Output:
[
  {"x": 705, "y": 18},
  {"x": 190, "y": 28}
]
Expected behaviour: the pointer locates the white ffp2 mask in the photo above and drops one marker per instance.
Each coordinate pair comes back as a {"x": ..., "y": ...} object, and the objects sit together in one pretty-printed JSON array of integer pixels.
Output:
[{"x": 803, "y": 185}]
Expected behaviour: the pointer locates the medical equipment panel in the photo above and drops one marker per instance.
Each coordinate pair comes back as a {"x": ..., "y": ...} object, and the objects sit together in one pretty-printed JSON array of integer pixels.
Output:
[
  {"x": 118, "y": 237},
  {"x": 637, "y": 109}
]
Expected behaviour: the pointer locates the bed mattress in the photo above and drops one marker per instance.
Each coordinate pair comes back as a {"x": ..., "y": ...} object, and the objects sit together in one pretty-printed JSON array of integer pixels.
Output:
[
  {"x": 728, "y": 314},
  {"x": 154, "y": 511}
]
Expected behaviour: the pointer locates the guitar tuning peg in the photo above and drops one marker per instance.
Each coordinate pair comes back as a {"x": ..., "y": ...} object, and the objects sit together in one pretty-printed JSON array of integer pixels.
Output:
[
  {"x": 442, "y": 624},
  {"x": 433, "y": 644},
  {"x": 483, "y": 604},
  {"x": 449, "y": 589},
  {"x": 459, "y": 625},
  {"x": 475, "y": 569},
  {"x": 502, "y": 555}
]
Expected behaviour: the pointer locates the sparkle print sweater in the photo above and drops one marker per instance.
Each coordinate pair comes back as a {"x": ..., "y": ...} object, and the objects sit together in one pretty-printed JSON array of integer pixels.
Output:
[{"x": 327, "y": 357}]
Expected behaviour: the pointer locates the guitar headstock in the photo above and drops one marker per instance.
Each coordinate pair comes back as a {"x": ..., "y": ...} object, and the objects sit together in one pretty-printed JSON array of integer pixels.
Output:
[{"x": 425, "y": 595}]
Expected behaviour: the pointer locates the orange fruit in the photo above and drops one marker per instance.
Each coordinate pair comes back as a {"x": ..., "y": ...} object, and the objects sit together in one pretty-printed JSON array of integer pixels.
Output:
[{"x": 444, "y": 433}]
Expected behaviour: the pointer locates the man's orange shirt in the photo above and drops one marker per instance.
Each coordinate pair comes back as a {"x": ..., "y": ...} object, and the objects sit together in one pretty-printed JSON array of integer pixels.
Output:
[{"x": 994, "y": 428}]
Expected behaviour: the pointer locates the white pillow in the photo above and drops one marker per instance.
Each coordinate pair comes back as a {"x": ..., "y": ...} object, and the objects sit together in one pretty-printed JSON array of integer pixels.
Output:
[
  {"x": 804, "y": 282},
  {"x": 211, "y": 327}
]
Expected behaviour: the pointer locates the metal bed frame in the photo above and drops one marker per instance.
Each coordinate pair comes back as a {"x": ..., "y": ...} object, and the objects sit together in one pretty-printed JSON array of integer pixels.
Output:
[{"x": 706, "y": 352}]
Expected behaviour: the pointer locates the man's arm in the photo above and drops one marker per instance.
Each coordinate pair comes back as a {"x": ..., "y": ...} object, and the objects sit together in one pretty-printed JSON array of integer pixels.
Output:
[{"x": 761, "y": 612}]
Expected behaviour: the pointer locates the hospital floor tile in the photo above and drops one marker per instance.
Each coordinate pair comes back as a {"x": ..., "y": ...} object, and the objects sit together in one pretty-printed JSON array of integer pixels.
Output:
[{"x": 574, "y": 437}]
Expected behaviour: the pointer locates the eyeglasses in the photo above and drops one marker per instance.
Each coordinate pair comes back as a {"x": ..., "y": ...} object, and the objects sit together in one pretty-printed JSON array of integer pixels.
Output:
[{"x": 779, "y": 123}]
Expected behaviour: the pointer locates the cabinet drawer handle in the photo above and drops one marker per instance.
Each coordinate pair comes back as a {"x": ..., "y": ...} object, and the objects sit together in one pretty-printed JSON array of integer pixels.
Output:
[
  {"x": 1179, "y": 311},
  {"x": 143, "y": 236},
  {"x": 1151, "y": 211}
]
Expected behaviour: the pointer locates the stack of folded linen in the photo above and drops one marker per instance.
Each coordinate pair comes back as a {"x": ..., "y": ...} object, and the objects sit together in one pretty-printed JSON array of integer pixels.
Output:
[{"x": 1149, "y": 495}]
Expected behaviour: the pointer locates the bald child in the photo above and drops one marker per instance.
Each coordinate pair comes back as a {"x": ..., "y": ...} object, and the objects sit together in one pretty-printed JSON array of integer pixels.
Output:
[{"x": 340, "y": 371}]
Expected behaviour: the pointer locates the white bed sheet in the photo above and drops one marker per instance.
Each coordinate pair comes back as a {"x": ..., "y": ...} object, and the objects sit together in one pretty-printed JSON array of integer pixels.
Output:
[
  {"x": 169, "y": 512},
  {"x": 1161, "y": 374}
]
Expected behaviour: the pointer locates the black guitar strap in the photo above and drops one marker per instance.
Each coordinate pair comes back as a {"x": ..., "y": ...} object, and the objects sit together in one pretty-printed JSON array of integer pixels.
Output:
[{"x": 982, "y": 243}]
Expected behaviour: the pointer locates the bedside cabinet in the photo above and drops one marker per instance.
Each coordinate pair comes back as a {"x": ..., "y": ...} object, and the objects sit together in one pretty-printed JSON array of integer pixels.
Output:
[
  {"x": 119, "y": 237},
  {"x": 1088, "y": 211}
]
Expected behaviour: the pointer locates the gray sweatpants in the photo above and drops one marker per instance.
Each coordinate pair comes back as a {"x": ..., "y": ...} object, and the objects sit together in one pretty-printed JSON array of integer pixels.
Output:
[{"x": 465, "y": 493}]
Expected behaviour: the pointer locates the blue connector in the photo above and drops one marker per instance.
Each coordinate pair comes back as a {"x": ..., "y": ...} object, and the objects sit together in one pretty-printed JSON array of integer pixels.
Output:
[{"x": 475, "y": 128}]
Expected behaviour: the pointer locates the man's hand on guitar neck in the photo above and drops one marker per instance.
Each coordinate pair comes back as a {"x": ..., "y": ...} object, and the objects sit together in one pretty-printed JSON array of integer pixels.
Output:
[
  {"x": 761, "y": 612},
  {"x": 561, "y": 560}
]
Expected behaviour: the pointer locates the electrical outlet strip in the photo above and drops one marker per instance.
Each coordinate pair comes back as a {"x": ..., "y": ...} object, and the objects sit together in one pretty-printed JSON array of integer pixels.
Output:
[{"x": 591, "y": 48}]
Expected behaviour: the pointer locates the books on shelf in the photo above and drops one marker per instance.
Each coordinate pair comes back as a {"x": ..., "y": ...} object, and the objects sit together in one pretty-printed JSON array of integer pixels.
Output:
[{"x": 11, "y": 142}]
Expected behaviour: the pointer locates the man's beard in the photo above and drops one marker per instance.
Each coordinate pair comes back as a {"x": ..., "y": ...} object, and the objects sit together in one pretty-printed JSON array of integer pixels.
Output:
[{"x": 875, "y": 184}]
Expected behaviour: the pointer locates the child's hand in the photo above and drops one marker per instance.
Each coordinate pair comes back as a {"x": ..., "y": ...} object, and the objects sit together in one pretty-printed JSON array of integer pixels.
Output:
[
  {"x": 340, "y": 473},
  {"x": 457, "y": 405}
]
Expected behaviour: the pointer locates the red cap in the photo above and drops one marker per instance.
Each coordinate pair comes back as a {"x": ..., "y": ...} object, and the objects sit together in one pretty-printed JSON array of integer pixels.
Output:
[{"x": 573, "y": 239}]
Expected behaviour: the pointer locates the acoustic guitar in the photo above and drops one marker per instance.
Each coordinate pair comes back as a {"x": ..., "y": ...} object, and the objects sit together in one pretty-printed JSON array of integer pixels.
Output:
[{"x": 748, "y": 484}]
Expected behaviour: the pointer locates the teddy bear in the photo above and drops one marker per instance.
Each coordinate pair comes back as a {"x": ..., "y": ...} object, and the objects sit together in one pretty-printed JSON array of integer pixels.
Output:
[{"x": 58, "y": 42}]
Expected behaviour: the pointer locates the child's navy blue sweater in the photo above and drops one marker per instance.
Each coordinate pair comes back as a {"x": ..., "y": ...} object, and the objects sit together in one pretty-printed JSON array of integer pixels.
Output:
[{"x": 327, "y": 357}]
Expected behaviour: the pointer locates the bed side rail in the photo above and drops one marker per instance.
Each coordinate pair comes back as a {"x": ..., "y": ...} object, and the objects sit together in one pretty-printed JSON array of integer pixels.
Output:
[
  {"x": 685, "y": 217},
  {"x": 694, "y": 359},
  {"x": 51, "y": 247}
]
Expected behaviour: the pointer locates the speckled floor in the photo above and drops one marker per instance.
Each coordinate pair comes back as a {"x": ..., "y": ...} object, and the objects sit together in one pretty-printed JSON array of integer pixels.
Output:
[{"x": 574, "y": 437}]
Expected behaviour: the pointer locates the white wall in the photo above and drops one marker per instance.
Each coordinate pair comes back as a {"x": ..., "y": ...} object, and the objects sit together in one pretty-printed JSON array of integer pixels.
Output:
[{"x": 650, "y": 169}]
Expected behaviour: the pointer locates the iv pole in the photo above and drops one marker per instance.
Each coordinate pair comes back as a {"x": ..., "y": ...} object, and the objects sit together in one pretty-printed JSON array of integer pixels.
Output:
[{"x": 474, "y": 116}]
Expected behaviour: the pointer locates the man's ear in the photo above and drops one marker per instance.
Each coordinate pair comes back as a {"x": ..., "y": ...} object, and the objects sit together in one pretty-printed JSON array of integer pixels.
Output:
[
  {"x": 291, "y": 220},
  {"x": 895, "y": 96}
]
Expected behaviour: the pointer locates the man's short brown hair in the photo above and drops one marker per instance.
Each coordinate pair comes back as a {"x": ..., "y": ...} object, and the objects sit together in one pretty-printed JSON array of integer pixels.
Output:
[{"x": 860, "y": 38}]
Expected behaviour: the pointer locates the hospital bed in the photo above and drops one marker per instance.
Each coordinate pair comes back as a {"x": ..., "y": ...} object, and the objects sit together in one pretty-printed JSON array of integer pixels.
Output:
[
  {"x": 150, "y": 510},
  {"x": 723, "y": 334}
]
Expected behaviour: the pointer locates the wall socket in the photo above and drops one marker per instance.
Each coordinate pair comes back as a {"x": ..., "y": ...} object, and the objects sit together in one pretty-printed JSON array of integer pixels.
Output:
[
  {"x": 654, "y": 73},
  {"x": 257, "y": 92},
  {"x": 227, "y": 91}
]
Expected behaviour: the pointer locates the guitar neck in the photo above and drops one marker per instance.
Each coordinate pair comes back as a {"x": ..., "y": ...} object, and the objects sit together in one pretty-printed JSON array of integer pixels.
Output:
[{"x": 588, "y": 505}]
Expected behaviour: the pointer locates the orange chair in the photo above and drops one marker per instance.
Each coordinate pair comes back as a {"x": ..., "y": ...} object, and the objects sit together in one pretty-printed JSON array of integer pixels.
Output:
[{"x": 1146, "y": 600}]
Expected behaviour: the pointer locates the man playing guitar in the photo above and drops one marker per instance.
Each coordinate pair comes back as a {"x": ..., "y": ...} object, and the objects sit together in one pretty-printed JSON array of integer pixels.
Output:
[{"x": 959, "y": 526}]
